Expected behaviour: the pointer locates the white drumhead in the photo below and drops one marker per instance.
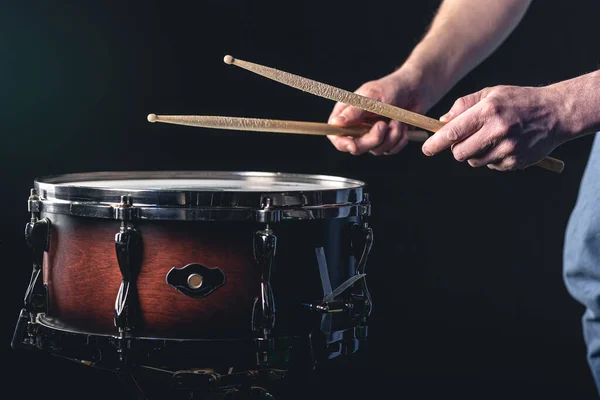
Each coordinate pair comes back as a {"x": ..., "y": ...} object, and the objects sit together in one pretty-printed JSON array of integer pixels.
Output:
[{"x": 211, "y": 185}]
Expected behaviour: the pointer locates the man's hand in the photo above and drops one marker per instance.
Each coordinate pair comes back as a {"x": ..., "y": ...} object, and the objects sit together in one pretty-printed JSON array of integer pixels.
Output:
[
  {"x": 503, "y": 127},
  {"x": 401, "y": 89}
]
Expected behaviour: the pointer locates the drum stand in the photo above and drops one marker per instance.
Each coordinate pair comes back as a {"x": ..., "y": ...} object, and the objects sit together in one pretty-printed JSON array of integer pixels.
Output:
[{"x": 206, "y": 385}]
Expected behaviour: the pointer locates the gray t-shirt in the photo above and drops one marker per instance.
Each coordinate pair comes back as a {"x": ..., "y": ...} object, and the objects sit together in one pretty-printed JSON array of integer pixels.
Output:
[{"x": 581, "y": 260}]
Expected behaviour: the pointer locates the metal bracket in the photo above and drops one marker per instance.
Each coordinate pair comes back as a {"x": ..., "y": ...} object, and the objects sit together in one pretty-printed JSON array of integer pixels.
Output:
[
  {"x": 125, "y": 211},
  {"x": 37, "y": 236},
  {"x": 362, "y": 242},
  {"x": 263, "y": 316},
  {"x": 366, "y": 205},
  {"x": 267, "y": 214},
  {"x": 129, "y": 249}
]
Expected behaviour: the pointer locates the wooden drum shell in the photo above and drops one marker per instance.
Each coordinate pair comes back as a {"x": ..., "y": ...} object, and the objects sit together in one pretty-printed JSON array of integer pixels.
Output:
[{"x": 82, "y": 274}]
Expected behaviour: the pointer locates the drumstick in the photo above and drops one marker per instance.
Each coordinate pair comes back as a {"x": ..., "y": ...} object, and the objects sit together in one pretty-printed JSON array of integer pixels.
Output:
[
  {"x": 273, "y": 125},
  {"x": 358, "y": 101}
]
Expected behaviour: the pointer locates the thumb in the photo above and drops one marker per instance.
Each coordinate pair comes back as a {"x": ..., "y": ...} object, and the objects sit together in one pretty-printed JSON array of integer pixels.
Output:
[{"x": 463, "y": 104}]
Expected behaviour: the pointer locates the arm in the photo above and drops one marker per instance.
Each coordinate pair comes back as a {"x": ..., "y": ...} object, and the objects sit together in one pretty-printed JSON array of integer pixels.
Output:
[{"x": 462, "y": 34}]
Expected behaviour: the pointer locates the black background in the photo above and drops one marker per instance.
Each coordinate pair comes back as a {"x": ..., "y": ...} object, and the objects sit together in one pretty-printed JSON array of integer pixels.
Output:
[{"x": 466, "y": 272}]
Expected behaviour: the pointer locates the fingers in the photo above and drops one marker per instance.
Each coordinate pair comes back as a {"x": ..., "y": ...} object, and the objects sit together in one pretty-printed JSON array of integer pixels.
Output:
[
  {"x": 476, "y": 145},
  {"x": 400, "y": 145},
  {"x": 372, "y": 139},
  {"x": 345, "y": 115},
  {"x": 463, "y": 126},
  {"x": 501, "y": 158},
  {"x": 463, "y": 104},
  {"x": 341, "y": 143},
  {"x": 395, "y": 133}
]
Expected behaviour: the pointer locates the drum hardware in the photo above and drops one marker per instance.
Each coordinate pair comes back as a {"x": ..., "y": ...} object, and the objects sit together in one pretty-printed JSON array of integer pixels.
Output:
[
  {"x": 206, "y": 383},
  {"x": 196, "y": 280},
  {"x": 360, "y": 300},
  {"x": 266, "y": 213},
  {"x": 265, "y": 245},
  {"x": 362, "y": 242},
  {"x": 329, "y": 304},
  {"x": 37, "y": 236},
  {"x": 128, "y": 246},
  {"x": 125, "y": 211},
  {"x": 209, "y": 380},
  {"x": 102, "y": 351}
]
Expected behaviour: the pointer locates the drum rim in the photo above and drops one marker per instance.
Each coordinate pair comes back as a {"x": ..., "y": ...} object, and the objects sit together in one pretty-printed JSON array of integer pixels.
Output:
[
  {"x": 50, "y": 180},
  {"x": 200, "y": 204}
]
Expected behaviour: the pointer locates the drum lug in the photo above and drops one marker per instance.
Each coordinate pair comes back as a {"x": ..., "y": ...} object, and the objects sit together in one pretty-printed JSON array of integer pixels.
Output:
[
  {"x": 129, "y": 249},
  {"x": 365, "y": 205},
  {"x": 263, "y": 315},
  {"x": 267, "y": 214},
  {"x": 125, "y": 211},
  {"x": 37, "y": 235}
]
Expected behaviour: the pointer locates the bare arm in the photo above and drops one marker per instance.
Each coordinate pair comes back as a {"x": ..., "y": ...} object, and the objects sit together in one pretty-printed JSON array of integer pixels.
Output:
[{"x": 462, "y": 34}]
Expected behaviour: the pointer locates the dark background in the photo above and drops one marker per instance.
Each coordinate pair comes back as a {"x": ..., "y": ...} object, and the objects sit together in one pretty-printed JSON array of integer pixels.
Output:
[{"x": 466, "y": 272}]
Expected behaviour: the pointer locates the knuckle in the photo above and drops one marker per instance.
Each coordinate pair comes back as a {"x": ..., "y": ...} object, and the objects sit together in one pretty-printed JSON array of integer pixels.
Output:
[
  {"x": 510, "y": 163},
  {"x": 503, "y": 127},
  {"x": 452, "y": 134},
  {"x": 510, "y": 147},
  {"x": 490, "y": 107},
  {"x": 461, "y": 102},
  {"x": 488, "y": 144},
  {"x": 368, "y": 90},
  {"x": 495, "y": 89}
]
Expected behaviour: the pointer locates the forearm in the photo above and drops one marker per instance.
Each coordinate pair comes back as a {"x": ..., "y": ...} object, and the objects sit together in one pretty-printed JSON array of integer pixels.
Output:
[
  {"x": 462, "y": 34},
  {"x": 579, "y": 105}
]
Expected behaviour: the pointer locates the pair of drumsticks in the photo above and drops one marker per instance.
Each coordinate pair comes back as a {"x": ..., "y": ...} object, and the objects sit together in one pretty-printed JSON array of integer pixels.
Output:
[{"x": 316, "y": 128}]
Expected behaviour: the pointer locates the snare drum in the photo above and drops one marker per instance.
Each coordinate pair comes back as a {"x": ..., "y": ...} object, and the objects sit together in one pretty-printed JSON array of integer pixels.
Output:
[{"x": 196, "y": 268}]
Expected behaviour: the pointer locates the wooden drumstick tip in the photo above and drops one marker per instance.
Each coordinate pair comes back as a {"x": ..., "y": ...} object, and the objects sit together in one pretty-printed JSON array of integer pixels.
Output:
[
  {"x": 152, "y": 117},
  {"x": 228, "y": 59}
]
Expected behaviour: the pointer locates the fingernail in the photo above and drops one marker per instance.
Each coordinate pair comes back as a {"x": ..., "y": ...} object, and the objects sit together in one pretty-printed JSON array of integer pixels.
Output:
[
  {"x": 426, "y": 151},
  {"x": 349, "y": 149},
  {"x": 339, "y": 120},
  {"x": 446, "y": 117}
]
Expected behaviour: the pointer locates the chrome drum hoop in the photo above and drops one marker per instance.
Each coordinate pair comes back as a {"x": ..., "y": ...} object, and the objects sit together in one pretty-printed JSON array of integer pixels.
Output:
[{"x": 339, "y": 197}]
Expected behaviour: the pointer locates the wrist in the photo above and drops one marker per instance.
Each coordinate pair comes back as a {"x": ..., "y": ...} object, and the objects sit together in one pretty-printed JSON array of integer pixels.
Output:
[
  {"x": 419, "y": 82},
  {"x": 434, "y": 75},
  {"x": 577, "y": 104}
]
